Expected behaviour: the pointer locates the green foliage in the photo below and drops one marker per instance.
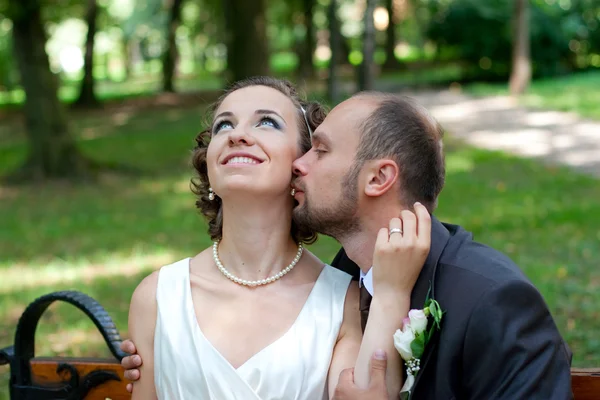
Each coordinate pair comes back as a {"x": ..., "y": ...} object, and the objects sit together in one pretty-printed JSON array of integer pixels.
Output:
[{"x": 481, "y": 34}]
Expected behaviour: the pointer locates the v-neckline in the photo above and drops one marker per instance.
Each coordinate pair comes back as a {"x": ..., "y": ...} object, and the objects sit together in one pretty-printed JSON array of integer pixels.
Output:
[{"x": 268, "y": 346}]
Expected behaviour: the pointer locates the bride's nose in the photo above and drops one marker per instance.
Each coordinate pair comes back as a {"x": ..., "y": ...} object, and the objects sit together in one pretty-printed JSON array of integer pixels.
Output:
[{"x": 240, "y": 136}]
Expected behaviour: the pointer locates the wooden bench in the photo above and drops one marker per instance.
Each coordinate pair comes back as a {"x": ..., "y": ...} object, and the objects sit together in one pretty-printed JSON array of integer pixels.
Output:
[
  {"x": 65, "y": 378},
  {"x": 62, "y": 378}
]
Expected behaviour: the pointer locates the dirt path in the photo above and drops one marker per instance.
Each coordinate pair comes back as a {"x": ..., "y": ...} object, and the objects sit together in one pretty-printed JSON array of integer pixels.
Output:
[{"x": 498, "y": 123}]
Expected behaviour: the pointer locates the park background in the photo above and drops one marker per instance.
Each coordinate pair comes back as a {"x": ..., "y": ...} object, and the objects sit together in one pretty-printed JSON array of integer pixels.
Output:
[{"x": 95, "y": 163}]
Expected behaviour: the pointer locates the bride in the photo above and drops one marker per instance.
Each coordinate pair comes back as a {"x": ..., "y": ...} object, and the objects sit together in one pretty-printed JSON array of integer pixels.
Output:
[{"x": 255, "y": 316}]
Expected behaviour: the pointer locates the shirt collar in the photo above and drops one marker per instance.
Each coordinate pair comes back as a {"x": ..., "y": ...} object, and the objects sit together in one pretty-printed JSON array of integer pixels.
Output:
[{"x": 367, "y": 280}]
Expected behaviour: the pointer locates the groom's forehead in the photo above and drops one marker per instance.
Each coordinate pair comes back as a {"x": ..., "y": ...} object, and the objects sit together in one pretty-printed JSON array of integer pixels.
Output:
[{"x": 345, "y": 121}]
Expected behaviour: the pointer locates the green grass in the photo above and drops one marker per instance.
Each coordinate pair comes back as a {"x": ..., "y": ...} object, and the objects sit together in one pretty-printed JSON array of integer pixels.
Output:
[
  {"x": 579, "y": 93},
  {"x": 102, "y": 239}
]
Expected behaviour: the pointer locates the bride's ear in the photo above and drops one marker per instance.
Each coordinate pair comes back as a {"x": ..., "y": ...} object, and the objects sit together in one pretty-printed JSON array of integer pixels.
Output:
[{"x": 381, "y": 177}]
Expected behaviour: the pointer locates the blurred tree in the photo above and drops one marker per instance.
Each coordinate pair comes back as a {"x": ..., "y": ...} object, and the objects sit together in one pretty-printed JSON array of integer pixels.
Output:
[
  {"x": 520, "y": 76},
  {"x": 8, "y": 72},
  {"x": 247, "y": 46},
  {"x": 170, "y": 54},
  {"x": 366, "y": 74},
  {"x": 306, "y": 67},
  {"x": 87, "y": 95},
  {"x": 52, "y": 149},
  {"x": 391, "y": 62},
  {"x": 335, "y": 43}
]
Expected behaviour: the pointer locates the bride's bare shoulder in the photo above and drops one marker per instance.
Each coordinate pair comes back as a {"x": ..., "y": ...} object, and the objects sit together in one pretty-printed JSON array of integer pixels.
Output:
[{"x": 202, "y": 258}]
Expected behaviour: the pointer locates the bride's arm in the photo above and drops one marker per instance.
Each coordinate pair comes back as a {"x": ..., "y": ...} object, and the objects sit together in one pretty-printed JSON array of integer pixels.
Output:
[
  {"x": 352, "y": 350},
  {"x": 347, "y": 346},
  {"x": 142, "y": 322},
  {"x": 385, "y": 317}
]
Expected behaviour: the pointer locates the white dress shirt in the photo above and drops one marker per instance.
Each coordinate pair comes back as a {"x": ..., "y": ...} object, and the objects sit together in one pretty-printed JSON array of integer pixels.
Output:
[{"x": 367, "y": 280}]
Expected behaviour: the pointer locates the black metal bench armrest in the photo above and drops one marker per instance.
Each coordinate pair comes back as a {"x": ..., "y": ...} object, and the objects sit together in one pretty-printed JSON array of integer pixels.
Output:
[{"x": 6, "y": 355}]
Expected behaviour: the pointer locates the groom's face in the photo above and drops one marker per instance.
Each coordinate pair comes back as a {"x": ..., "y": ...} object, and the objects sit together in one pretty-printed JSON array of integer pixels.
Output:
[{"x": 327, "y": 178}]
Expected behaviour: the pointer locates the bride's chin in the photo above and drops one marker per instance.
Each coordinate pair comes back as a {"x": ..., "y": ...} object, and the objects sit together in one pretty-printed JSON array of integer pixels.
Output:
[{"x": 249, "y": 192}]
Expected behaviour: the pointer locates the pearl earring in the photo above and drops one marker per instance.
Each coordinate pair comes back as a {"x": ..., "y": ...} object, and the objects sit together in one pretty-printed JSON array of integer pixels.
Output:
[
  {"x": 211, "y": 194},
  {"x": 293, "y": 192}
]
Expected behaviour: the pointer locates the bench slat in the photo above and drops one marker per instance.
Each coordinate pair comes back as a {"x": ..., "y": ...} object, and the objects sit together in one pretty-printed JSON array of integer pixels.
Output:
[{"x": 586, "y": 383}]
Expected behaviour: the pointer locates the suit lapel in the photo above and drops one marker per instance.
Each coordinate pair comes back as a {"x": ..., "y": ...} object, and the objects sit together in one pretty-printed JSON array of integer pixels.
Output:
[{"x": 439, "y": 239}]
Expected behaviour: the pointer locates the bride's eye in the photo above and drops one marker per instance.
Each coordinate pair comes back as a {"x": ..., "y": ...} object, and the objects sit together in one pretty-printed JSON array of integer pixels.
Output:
[
  {"x": 266, "y": 121},
  {"x": 220, "y": 125}
]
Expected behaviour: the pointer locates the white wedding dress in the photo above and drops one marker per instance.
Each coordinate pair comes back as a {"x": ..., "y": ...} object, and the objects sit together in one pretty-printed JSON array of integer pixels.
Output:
[{"x": 294, "y": 367}]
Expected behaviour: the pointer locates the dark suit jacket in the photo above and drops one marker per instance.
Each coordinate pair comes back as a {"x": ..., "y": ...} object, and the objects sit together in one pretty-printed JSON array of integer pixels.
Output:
[{"x": 498, "y": 339}]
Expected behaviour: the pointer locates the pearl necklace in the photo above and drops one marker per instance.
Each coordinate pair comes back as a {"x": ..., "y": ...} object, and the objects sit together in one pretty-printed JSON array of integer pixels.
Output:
[{"x": 259, "y": 282}]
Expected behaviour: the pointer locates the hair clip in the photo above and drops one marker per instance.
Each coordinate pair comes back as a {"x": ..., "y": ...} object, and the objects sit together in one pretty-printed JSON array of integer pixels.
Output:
[{"x": 306, "y": 120}]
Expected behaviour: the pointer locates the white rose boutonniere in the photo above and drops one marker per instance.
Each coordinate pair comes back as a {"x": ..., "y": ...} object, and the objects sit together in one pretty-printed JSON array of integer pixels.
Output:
[{"x": 410, "y": 341}]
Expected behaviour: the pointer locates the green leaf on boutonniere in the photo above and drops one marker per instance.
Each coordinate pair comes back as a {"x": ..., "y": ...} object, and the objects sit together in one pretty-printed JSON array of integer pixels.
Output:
[
  {"x": 417, "y": 346},
  {"x": 404, "y": 395},
  {"x": 436, "y": 312}
]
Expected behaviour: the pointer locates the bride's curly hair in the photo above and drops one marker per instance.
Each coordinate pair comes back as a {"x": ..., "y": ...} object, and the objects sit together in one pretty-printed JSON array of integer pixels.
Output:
[{"x": 212, "y": 209}]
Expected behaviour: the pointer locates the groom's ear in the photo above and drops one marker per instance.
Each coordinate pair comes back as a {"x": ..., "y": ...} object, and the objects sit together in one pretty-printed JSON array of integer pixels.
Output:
[{"x": 381, "y": 176}]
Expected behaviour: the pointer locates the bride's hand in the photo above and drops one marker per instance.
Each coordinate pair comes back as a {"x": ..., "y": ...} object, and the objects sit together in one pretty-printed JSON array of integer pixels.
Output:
[{"x": 400, "y": 252}]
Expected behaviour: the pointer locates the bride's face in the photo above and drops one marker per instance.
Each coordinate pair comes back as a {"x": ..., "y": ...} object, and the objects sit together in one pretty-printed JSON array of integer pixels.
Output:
[{"x": 254, "y": 141}]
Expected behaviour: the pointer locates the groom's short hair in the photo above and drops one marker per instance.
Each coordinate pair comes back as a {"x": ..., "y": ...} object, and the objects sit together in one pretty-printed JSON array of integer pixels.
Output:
[{"x": 403, "y": 130}]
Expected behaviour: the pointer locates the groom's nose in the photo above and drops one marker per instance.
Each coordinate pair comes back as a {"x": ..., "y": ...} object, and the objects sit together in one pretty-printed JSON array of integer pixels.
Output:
[{"x": 299, "y": 166}]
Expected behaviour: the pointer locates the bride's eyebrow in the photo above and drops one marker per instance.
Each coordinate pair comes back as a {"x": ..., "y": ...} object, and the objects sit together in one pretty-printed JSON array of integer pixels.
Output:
[
  {"x": 224, "y": 114},
  {"x": 268, "y": 112}
]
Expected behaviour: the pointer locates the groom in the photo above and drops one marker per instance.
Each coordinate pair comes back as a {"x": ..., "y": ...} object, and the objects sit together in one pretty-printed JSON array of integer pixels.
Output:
[{"x": 374, "y": 156}]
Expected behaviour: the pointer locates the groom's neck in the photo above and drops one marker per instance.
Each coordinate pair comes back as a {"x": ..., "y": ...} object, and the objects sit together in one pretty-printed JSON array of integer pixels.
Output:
[
  {"x": 360, "y": 245},
  {"x": 359, "y": 248}
]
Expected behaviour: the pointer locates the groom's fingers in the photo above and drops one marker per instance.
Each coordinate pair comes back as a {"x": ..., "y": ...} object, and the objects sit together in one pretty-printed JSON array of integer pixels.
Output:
[
  {"x": 132, "y": 374},
  {"x": 131, "y": 362},
  {"x": 378, "y": 368},
  {"x": 128, "y": 347}
]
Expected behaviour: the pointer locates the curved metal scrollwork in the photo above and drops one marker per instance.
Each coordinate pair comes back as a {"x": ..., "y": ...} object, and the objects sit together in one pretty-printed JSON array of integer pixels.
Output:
[{"x": 79, "y": 388}]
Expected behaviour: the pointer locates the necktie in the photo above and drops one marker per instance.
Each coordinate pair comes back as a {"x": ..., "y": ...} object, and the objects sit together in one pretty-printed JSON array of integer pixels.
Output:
[{"x": 365, "y": 303}]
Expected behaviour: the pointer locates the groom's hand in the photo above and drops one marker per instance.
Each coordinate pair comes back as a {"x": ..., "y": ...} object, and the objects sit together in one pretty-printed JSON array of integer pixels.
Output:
[
  {"x": 347, "y": 390},
  {"x": 130, "y": 363}
]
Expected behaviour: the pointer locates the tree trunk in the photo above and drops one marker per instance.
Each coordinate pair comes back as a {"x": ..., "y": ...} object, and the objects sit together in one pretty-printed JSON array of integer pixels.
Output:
[
  {"x": 87, "y": 96},
  {"x": 390, "y": 43},
  {"x": 520, "y": 76},
  {"x": 52, "y": 149},
  {"x": 247, "y": 47},
  {"x": 307, "y": 69},
  {"x": 335, "y": 41},
  {"x": 126, "y": 57},
  {"x": 170, "y": 55},
  {"x": 366, "y": 76}
]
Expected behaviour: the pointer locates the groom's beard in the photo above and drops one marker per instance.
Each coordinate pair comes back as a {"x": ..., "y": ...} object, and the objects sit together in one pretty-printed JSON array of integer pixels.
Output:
[{"x": 339, "y": 221}]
